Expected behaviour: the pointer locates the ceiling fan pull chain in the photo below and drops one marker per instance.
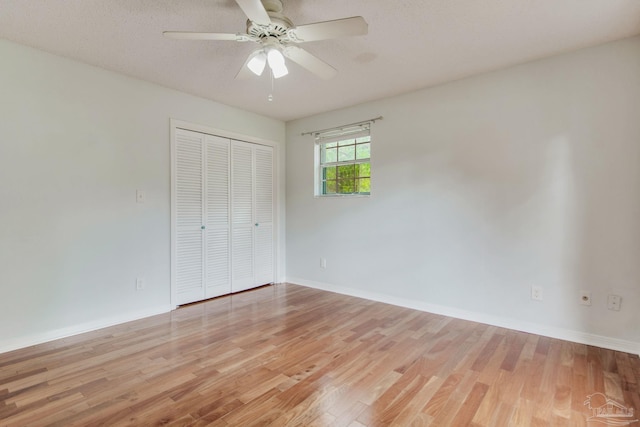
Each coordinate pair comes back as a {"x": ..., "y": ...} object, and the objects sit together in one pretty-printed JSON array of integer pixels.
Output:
[{"x": 270, "y": 97}]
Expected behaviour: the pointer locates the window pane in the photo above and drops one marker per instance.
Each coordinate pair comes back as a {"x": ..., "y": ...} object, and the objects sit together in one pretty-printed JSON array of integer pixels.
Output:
[
  {"x": 363, "y": 151},
  {"x": 363, "y": 139},
  {"x": 364, "y": 185},
  {"x": 346, "y": 153},
  {"x": 346, "y": 171},
  {"x": 329, "y": 172},
  {"x": 331, "y": 144},
  {"x": 346, "y": 142},
  {"x": 364, "y": 170},
  {"x": 330, "y": 155},
  {"x": 346, "y": 186},
  {"x": 329, "y": 187}
]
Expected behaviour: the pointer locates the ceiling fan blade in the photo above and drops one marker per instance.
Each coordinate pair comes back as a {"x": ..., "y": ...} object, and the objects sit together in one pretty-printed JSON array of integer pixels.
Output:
[
  {"x": 189, "y": 35},
  {"x": 310, "y": 62},
  {"x": 255, "y": 11},
  {"x": 354, "y": 26}
]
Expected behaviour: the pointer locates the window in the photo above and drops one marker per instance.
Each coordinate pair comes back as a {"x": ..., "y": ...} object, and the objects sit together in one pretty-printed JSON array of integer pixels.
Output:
[{"x": 344, "y": 161}]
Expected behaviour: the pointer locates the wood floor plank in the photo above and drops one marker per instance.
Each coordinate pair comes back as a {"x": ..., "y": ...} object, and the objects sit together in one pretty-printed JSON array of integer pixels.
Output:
[
  {"x": 522, "y": 414},
  {"x": 289, "y": 355},
  {"x": 470, "y": 405},
  {"x": 408, "y": 401},
  {"x": 486, "y": 353},
  {"x": 515, "y": 342},
  {"x": 346, "y": 417},
  {"x": 562, "y": 395},
  {"x": 455, "y": 401}
]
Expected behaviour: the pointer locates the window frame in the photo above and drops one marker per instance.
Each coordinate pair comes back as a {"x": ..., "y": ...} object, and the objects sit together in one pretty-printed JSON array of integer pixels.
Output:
[{"x": 351, "y": 136}]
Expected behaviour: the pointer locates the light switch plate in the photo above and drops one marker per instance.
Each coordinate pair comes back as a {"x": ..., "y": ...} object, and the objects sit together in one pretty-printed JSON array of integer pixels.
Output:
[{"x": 613, "y": 302}]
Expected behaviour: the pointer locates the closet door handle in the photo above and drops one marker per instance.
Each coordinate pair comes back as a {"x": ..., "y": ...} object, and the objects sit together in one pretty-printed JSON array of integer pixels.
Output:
[
  {"x": 257, "y": 224},
  {"x": 202, "y": 227}
]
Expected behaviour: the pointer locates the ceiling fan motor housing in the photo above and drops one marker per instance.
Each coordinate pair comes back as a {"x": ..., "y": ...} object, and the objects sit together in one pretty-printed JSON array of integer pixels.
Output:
[{"x": 278, "y": 27}]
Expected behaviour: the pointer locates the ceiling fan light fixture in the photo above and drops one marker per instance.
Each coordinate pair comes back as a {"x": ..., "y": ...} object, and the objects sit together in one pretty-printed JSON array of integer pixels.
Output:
[
  {"x": 279, "y": 71},
  {"x": 276, "y": 63},
  {"x": 257, "y": 62}
]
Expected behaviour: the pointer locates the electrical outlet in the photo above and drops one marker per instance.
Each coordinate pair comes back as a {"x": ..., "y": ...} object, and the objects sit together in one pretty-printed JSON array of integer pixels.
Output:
[
  {"x": 139, "y": 284},
  {"x": 323, "y": 263},
  {"x": 536, "y": 293},
  {"x": 613, "y": 302},
  {"x": 585, "y": 297}
]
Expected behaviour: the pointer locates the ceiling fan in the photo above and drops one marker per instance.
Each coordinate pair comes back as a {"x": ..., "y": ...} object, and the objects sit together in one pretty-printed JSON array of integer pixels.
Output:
[{"x": 278, "y": 38}]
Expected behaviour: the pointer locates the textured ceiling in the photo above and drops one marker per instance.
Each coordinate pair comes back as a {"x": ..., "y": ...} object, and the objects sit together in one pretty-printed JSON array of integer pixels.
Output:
[{"x": 411, "y": 44}]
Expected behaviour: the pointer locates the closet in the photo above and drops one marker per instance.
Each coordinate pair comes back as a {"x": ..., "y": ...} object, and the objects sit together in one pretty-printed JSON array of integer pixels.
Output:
[{"x": 222, "y": 216}]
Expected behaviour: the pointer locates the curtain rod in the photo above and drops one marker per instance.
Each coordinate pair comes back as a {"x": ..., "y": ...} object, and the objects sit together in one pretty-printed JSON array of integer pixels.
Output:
[{"x": 343, "y": 126}]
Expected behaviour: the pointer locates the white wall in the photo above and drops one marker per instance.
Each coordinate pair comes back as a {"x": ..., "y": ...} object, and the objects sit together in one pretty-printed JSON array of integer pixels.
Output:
[
  {"x": 75, "y": 143},
  {"x": 484, "y": 187}
]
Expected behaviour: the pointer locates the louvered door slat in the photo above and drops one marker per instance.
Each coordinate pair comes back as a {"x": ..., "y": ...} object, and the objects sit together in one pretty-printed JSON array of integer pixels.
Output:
[
  {"x": 242, "y": 254},
  {"x": 189, "y": 207},
  {"x": 242, "y": 216},
  {"x": 242, "y": 187},
  {"x": 263, "y": 245},
  {"x": 218, "y": 277},
  {"x": 263, "y": 254},
  {"x": 264, "y": 184}
]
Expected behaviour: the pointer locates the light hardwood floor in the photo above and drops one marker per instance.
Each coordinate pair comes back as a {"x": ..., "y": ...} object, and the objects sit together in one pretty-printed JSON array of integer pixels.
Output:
[{"x": 289, "y": 355}]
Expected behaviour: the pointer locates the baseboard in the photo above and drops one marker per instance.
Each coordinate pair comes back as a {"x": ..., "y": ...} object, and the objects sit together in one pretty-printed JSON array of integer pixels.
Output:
[
  {"x": 503, "y": 322},
  {"x": 40, "y": 338}
]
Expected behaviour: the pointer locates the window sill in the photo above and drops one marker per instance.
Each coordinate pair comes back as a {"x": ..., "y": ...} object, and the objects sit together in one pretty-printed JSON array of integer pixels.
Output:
[{"x": 339, "y": 196}]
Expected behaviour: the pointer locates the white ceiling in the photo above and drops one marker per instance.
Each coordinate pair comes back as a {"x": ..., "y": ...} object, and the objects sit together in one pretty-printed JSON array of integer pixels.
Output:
[{"x": 411, "y": 44}]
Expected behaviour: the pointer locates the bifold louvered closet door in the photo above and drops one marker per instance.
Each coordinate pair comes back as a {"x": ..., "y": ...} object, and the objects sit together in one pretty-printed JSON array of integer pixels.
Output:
[{"x": 222, "y": 216}]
